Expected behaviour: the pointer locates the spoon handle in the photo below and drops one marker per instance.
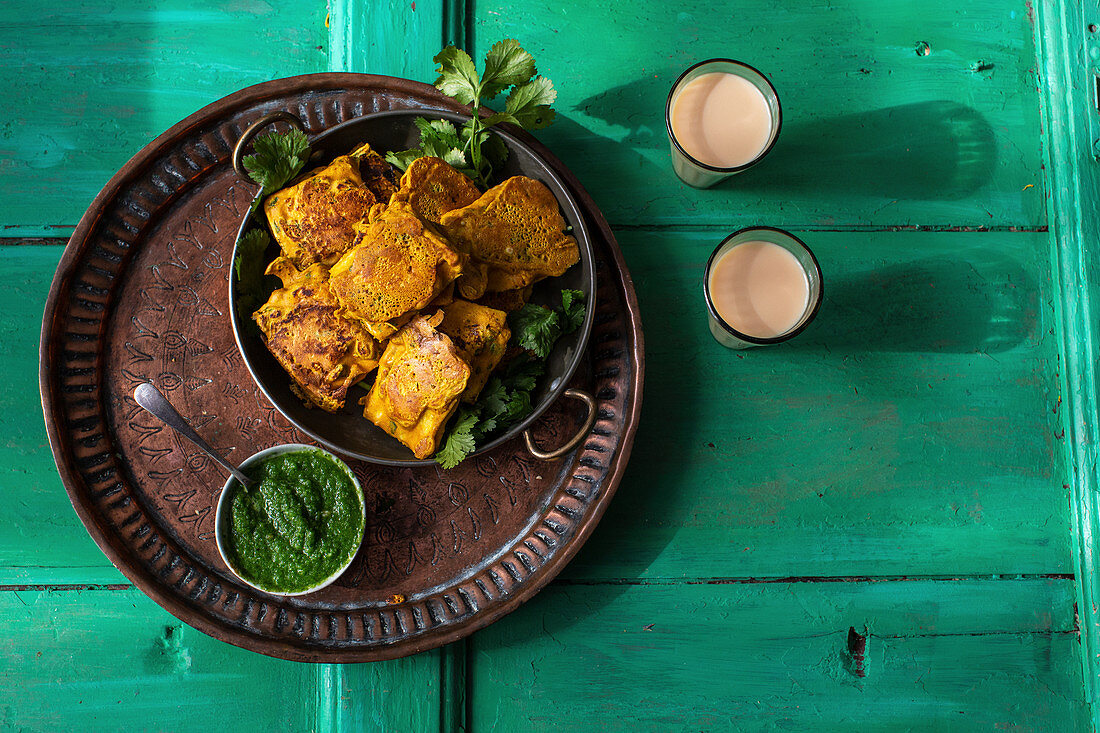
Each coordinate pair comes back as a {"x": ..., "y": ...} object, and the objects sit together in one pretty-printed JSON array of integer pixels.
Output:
[{"x": 152, "y": 400}]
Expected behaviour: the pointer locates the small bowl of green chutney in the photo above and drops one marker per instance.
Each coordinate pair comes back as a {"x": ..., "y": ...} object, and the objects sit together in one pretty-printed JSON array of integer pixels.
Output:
[{"x": 297, "y": 527}]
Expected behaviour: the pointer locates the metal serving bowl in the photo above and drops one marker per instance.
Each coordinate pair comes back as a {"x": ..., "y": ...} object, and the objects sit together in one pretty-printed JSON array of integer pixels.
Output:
[{"x": 348, "y": 432}]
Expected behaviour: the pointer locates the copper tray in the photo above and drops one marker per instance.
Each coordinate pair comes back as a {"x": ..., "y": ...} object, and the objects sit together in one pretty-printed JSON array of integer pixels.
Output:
[{"x": 140, "y": 295}]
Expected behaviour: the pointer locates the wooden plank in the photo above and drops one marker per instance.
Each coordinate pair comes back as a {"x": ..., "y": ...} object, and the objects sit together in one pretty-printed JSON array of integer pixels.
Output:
[
  {"x": 392, "y": 37},
  {"x": 875, "y": 131},
  {"x": 42, "y": 539},
  {"x": 112, "y": 660},
  {"x": 1071, "y": 107},
  {"x": 916, "y": 655},
  {"x": 919, "y": 436},
  {"x": 90, "y": 82},
  {"x": 913, "y": 429}
]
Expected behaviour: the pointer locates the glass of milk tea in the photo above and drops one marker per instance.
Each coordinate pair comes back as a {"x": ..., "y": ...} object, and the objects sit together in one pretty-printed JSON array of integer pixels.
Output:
[
  {"x": 722, "y": 117},
  {"x": 762, "y": 286}
]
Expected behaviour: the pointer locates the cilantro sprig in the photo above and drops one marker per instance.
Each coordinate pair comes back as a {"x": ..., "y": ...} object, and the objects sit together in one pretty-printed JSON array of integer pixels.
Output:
[
  {"x": 537, "y": 328},
  {"x": 249, "y": 266},
  {"x": 506, "y": 398},
  {"x": 278, "y": 157},
  {"x": 472, "y": 148}
]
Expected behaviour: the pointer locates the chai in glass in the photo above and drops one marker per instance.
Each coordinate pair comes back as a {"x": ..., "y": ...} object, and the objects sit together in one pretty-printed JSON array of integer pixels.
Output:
[
  {"x": 762, "y": 286},
  {"x": 722, "y": 117}
]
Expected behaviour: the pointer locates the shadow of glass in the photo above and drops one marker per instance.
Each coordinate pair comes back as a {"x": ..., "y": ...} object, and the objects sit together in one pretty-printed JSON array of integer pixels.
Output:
[
  {"x": 932, "y": 305},
  {"x": 926, "y": 150},
  {"x": 634, "y": 106}
]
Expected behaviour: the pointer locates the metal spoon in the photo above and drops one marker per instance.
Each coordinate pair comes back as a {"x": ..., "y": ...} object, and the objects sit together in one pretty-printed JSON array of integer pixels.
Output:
[{"x": 152, "y": 400}]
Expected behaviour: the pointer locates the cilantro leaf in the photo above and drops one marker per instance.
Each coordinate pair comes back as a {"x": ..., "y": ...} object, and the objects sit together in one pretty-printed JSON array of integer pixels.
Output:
[
  {"x": 441, "y": 133},
  {"x": 457, "y": 75},
  {"x": 438, "y": 139},
  {"x": 496, "y": 118},
  {"x": 572, "y": 312},
  {"x": 404, "y": 158},
  {"x": 493, "y": 399},
  {"x": 278, "y": 157},
  {"x": 506, "y": 65},
  {"x": 445, "y": 128},
  {"x": 530, "y": 103},
  {"x": 522, "y": 373},
  {"x": 495, "y": 149},
  {"x": 519, "y": 407},
  {"x": 457, "y": 159},
  {"x": 535, "y": 328},
  {"x": 249, "y": 266},
  {"x": 460, "y": 441}
]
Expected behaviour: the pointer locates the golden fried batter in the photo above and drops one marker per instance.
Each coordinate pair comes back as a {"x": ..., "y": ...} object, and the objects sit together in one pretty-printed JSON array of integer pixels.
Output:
[
  {"x": 499, "y": 280},
  {"x": 323, "y": 351},
  {"x": 506, "y": 300},
  {"x": 420, "y": 379},
  {"x": 481, "y": 335},
  {"x": 517, "y": 227},
  {"x": 398, "y": 265},
  {"x": 314, "y": 220},
  {"x": 378, "y": 175},
  {"x": 432, "y": 188}
]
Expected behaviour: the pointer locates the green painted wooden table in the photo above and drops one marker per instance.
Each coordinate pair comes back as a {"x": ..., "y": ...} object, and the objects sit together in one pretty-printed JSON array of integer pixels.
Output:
[{"x": 887, "y": 523}]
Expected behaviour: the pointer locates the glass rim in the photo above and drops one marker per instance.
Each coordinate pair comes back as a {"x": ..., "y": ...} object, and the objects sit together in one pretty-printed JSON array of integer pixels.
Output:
[
  {"x": 708, "y": 166},
  {"x": 811, "y": 312}
]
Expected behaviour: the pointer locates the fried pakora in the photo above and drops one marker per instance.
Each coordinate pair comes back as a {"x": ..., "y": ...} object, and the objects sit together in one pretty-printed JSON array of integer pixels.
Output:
[
  {"x": 432, "y": 188},
  {"x": 517, "y": 230},
  {"x": 481, "y": 336},
  {"x": 314, "y": 220},
  {"x": 506, "y": 300},
  {"x": 420, "y": 379},
  {"x": 322, "y": 350},
  {"x": 366, "y": 257},
  {"x": 377, "y": 175},
  {"x": 397, "y": 266}
]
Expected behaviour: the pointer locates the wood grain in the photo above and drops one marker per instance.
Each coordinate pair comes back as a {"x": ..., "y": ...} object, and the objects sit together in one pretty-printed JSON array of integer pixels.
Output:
[
  {"x": 390, "y": 37},
  {"x": 42, "y": 537},
  {"x": 1070, "y": 103}
]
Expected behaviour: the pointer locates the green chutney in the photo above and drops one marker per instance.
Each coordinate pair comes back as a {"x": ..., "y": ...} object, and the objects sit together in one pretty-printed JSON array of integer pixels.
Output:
[{"x": 301, "y": 522}]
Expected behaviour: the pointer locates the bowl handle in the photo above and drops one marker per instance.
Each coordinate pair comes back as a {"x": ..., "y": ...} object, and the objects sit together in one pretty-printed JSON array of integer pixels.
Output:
[
  {"x": 589, "y": 421},
  {"x": 254, "y": 129}
]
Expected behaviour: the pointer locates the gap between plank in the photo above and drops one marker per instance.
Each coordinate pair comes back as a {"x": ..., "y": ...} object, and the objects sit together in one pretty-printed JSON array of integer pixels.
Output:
[
  {"x": 860, "y": 228},
  {"x": 657, "y": 581},
  {"x": 813, "y": 579},
  {"x": 849, "y": 228}
]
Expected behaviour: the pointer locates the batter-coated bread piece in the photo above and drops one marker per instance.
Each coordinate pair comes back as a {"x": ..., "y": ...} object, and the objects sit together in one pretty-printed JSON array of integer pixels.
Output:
[
  {"x": 420, "y": 379},
  {"x": 378, "y": 175},
  {"x": 481, "y": 336},
  {"x": 322, "y": 350}
]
